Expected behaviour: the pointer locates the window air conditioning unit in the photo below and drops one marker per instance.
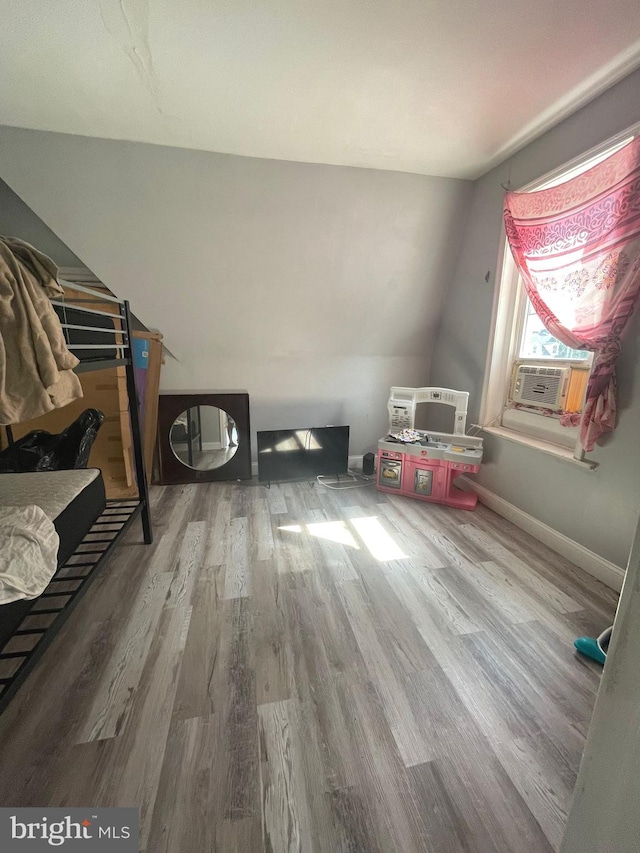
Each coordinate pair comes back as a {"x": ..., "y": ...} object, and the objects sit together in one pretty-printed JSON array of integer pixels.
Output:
[{"x": 540, "y": 386}]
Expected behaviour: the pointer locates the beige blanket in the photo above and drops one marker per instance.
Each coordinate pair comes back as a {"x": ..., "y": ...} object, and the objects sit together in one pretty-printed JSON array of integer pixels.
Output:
[{"x": 35, "y": 365}]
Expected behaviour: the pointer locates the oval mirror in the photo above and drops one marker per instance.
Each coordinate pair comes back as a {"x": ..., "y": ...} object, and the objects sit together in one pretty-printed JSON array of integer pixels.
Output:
[{"x": 204, "y": 437}]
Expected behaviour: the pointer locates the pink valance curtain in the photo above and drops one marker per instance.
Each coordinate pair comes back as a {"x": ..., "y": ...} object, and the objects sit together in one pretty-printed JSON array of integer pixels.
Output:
[{"x": 577, "y": 247}]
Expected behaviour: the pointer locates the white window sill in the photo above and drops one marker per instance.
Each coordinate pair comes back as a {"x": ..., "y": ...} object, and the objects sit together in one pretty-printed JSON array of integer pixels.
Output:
[
  {"x": 564, "y": 453},
  {"x": 540, "y": 426}
]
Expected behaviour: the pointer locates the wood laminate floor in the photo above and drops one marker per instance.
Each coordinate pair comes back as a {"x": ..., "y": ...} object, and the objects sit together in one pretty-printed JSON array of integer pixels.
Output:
[{"x": 298, "y": 669}]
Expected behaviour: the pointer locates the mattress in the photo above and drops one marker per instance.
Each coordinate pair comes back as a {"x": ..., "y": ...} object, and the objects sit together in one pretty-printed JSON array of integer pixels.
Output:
[
  {"x": 52, "y": 491},
  {"x": 71, "y": 499}
]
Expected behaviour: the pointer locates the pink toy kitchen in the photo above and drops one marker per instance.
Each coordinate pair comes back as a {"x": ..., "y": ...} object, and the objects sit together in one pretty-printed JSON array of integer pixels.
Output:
[{"x": 423, "y": 464}]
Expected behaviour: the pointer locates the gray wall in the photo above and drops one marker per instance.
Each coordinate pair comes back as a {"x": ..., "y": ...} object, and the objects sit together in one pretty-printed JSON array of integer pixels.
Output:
[
  {"x": 600, "y": 509},
  {"x": 315, "y": 288},
  {"x": 604, "y": 816},
  {"x": 18, "y": 220}
]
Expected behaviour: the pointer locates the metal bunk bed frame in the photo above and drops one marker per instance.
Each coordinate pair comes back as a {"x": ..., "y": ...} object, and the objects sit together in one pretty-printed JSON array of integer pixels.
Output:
[{"x": 72, "y": 580}]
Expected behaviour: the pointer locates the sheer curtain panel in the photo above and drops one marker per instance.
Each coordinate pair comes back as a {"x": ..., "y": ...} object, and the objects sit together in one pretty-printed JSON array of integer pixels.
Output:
[{"x": 577, "y": 248}]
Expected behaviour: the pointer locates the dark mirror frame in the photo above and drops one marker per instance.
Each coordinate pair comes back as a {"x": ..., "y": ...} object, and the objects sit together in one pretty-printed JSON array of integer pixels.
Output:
[{"x": 172, "y": 404}]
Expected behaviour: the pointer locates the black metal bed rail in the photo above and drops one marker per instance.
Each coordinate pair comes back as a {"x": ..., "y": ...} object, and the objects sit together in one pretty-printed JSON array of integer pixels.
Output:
[
  {"x": 9, "y": 683},
  {"x": 119, "y": 355},
  {"x": 47, "y": 613}
]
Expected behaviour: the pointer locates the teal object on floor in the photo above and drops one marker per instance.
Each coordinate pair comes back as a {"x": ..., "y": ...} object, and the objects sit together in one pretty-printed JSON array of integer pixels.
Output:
[{"x": 589, "y": 647}]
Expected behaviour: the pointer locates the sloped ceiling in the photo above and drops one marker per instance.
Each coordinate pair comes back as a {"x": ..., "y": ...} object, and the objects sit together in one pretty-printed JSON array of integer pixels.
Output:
[{"x": 425, "y": 86}]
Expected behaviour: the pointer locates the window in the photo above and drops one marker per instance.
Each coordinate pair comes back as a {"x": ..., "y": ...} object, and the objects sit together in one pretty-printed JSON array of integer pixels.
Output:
[
  {"x": 518, "y": 335},
  {"x": 536, "y": 342}
]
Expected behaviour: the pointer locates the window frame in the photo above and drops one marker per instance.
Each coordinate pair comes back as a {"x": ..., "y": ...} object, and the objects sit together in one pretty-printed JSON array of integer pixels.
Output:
[{"x": 507, "y": 321}]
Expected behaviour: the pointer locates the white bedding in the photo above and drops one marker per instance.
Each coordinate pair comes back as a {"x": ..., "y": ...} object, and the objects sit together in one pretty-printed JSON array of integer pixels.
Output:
[{"x": 28, "y": 552}]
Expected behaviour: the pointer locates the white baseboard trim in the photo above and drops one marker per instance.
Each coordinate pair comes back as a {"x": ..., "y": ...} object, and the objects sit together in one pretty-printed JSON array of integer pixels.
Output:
[{"x": 592, "y": 563}]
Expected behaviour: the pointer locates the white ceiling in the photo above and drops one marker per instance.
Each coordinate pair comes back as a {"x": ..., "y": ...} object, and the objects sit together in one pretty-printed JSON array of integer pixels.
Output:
[{"x": 440, "y": 87}]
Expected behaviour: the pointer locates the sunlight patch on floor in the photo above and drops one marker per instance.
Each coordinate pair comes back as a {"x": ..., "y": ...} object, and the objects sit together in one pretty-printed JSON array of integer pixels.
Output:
[
  {"x": 334, "y": 531},
  {"x": 378, "y": 541},
  {"x": 380, "y": 544}
]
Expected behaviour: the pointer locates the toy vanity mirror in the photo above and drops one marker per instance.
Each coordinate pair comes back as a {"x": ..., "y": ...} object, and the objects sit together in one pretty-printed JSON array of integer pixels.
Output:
[{"x": 203, "y": 436}]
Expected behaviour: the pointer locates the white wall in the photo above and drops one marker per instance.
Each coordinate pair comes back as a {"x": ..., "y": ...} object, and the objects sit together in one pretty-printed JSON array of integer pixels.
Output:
[
  {"x": 315, "y": 288},
  {"x": 599, "y": 509}
]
